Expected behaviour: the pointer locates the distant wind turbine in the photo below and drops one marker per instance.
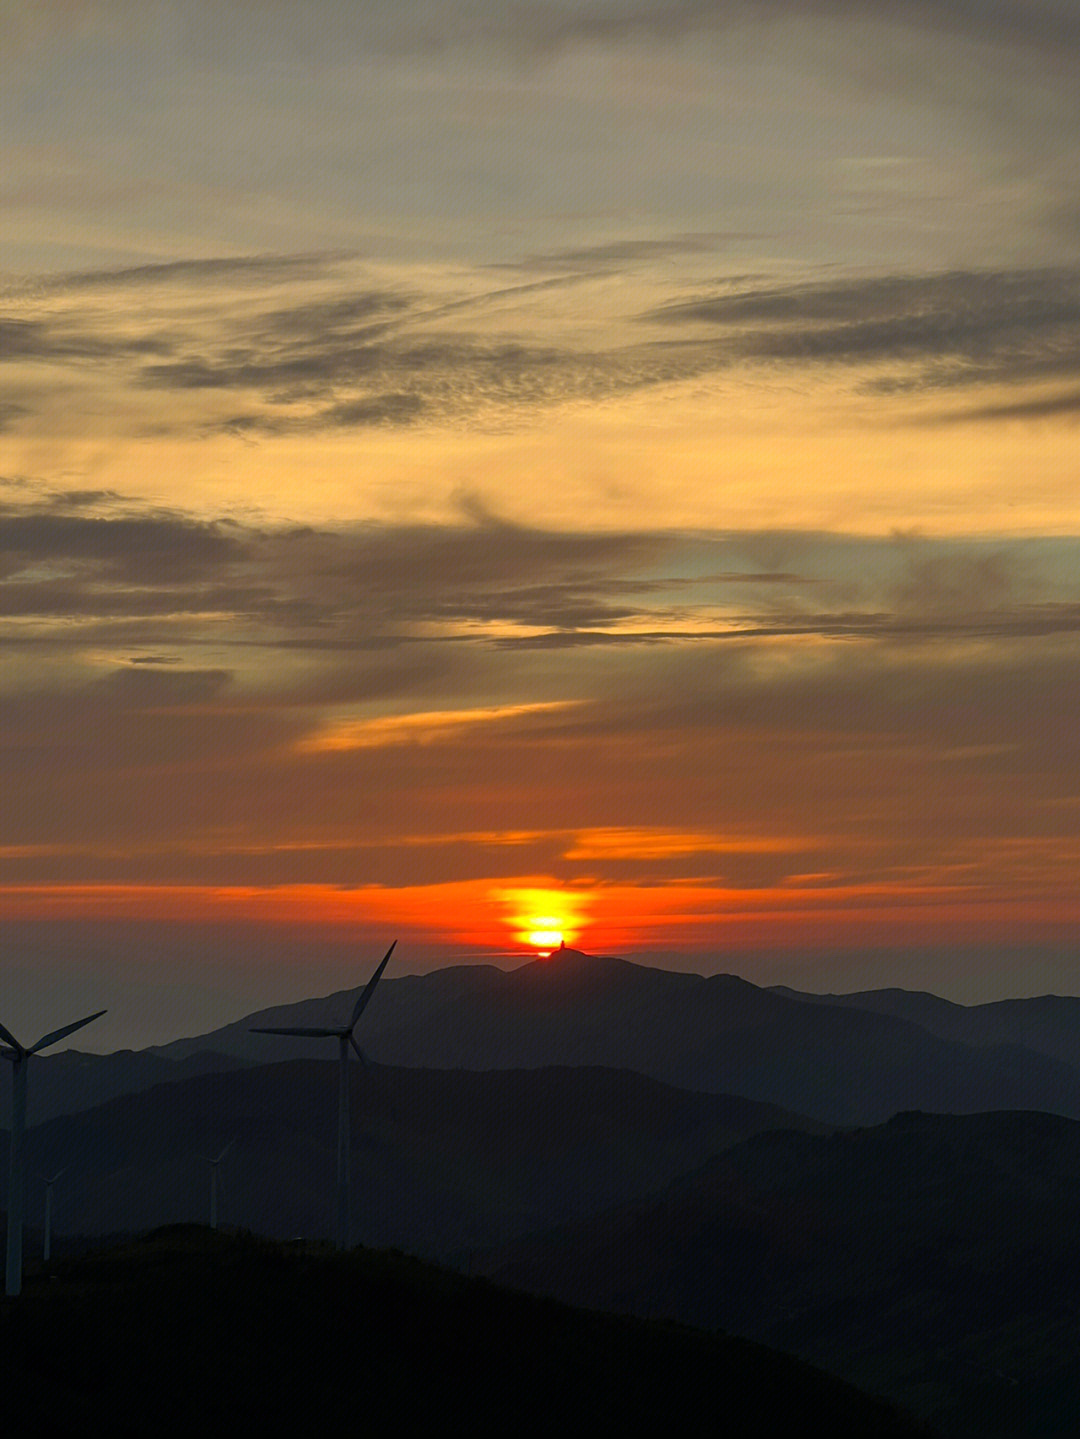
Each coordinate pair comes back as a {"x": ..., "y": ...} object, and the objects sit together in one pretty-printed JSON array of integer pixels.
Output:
[
  {"x": 345, "y": 1037},
  {"x": 213, "y": 1163},
  {"x": 18, "y": 1055},
  {"x": 46, "y": 1242}
]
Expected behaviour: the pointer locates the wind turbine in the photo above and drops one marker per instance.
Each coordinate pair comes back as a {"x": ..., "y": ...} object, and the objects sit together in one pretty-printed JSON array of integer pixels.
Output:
[
  {"x": 46, "y": 1242},
  {"x": 18, "y": 1055},
  {"x": 213, "y": 1163},
  {"x": 345, "y": 1037}
]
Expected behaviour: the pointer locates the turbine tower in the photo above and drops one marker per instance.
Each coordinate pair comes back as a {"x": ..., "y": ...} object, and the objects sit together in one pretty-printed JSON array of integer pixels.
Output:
[
  {"x": 213, "y": 1163},
  {"x": 18, "y": 1055},
  {"x": 345, "y": 1037},
  {"x": 46, "y": 1241}
]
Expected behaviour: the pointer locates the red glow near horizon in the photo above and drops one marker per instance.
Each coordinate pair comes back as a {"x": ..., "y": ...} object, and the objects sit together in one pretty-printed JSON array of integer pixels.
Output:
[{"x": 614, "y": 919}]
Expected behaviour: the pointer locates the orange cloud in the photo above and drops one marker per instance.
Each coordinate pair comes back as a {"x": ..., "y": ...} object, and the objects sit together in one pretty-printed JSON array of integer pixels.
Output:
[
  {"x": 427, "y": 727},
  {"x": 625, "y": 842}
]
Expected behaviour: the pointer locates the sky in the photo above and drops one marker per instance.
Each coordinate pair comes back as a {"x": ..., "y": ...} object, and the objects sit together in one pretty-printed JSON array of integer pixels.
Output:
[{"x": 470, "y": 472}]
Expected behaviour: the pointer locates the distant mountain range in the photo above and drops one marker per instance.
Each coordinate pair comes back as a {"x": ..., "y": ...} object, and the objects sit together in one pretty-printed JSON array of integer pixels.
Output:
[
  {"x": 1048, "y": 1024},
  {"x": 443, "y": 1162},
  {"x": 852, "y": 1059},
  {"x": 933, "y": 1258},
  {"x": 660, "y": 1143}
]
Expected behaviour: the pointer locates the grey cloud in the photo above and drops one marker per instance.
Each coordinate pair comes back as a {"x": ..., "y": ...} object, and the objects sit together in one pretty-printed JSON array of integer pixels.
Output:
[
  {"x": 531, "y": 28},
  {"x": 1039, "y": 408},
  {"x": 958, "y": 328},
  {"x": 149, "y": 545},
  {"x": 237, "y": 269},
  {"x": 445, "y": 378},
  {"x": 161, "y": 583},
  {"x": 628, "y": 251},
  {"x": 343, "y": 310},
  {"x": 55, "y": 340},
  {"x": 1011, "y": 325},
  {"x": 389, "y": 409},
  {"x": 139, "y": 688},
  {"x": 528, "y": 26}
]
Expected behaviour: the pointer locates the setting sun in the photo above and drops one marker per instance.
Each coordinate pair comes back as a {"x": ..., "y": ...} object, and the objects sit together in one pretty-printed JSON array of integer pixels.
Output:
[
  {"x": 546, "y": 938},
  {"x": 544, "y": 918}
]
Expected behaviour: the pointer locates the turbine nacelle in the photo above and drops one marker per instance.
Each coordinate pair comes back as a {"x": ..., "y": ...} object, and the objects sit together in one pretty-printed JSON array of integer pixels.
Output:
[
  {"x": 221, "y": 1156},
  {"x": 346, "y": 1039},
  {"x": 348, "y": 1033}
]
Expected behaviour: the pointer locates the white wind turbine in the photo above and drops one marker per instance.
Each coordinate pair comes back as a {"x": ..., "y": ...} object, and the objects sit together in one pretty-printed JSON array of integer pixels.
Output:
[
  {"x": 213, "y": 1163},
  {"x": 19, "y": 1055},
  {"x": 345, "y": 1037}
]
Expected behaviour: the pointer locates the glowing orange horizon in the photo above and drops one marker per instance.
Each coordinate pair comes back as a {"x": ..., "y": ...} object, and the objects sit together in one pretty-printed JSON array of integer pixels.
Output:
[{"x": 604, "y": 918}]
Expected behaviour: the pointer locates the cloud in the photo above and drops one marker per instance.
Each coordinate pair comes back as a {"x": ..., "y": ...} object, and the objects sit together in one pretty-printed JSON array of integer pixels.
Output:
[
  {"x": 616, "y": 254},
  {"x": 353, "y": 352},
  {"x": 960, "y": 327},
  {"x": 221, "y": 270},
  {"x": 144, "y": 577},
  {"x": 387, "y": 409},
  {"x": 421, "y": 727},
  {"x": 44, "y": 340},
  {"x": 1039, "y": 407},
  {"x": 154, "y": 546},
  {"x": 545, "y": 25}
]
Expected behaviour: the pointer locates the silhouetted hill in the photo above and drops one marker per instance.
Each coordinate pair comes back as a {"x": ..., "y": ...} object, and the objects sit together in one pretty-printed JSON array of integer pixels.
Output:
[
  {"x": 933, "y": 1258},
  {"x": 839, "y": 1063},
  {"x": 184, "y": 1333},
  {"x": 443, "y": 1161},
  {"x": 1049, "y": 1024},
  {"x": 71, "y": 1081}
]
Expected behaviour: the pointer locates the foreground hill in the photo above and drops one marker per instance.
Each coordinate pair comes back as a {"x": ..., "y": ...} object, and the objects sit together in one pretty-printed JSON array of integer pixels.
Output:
[
  {"x": 443, "y": 1161},
  {"x": 185, "y": 1332},
  {"x": 838, "y": 1063},
  {"x": 934, "y": 1258}
]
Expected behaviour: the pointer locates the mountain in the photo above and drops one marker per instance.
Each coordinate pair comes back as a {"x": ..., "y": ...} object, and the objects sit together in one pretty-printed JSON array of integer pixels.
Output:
[
  {"x": 837, "y": 1063},
  {"x": 185, "y": 1332},
  {"x": 934, "y": 1258},
  {"x": 73, "y": 1081},
  {"x": 443, "y": 1161},
  {"x": 1049, "y": 1024}
]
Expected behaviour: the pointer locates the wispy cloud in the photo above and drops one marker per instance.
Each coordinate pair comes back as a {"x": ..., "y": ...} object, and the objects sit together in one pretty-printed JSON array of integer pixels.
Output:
[{"x": 420, "y": 727}]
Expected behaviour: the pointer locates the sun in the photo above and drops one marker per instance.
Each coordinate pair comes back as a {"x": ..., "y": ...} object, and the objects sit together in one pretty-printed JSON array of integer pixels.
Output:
[
  {"x": 544, "y": 919},
  {"x": 550, "y": 936}
]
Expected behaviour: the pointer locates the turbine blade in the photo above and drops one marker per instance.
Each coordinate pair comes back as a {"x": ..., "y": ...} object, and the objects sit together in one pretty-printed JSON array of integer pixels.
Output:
[
  {"x": 225, "y": 1151},
  {"x": 48, "y": 1039},
  {"x": 305, "y": 1033},
  {"x": 359, "y": 1051},
  {"x": 8, "y": 1038},
  {"x": 369, "y": 988}
]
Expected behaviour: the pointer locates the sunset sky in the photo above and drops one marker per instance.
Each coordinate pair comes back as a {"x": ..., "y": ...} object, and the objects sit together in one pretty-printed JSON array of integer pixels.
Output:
[{"x": 607, "y": 467}]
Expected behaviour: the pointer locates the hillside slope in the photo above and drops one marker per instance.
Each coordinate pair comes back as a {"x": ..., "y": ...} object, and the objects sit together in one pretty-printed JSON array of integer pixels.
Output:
[
  {"x": 934, "y": 1258},
  {"x": 443, "y": 1160},
  {"x": 184, "y": 1332}
]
